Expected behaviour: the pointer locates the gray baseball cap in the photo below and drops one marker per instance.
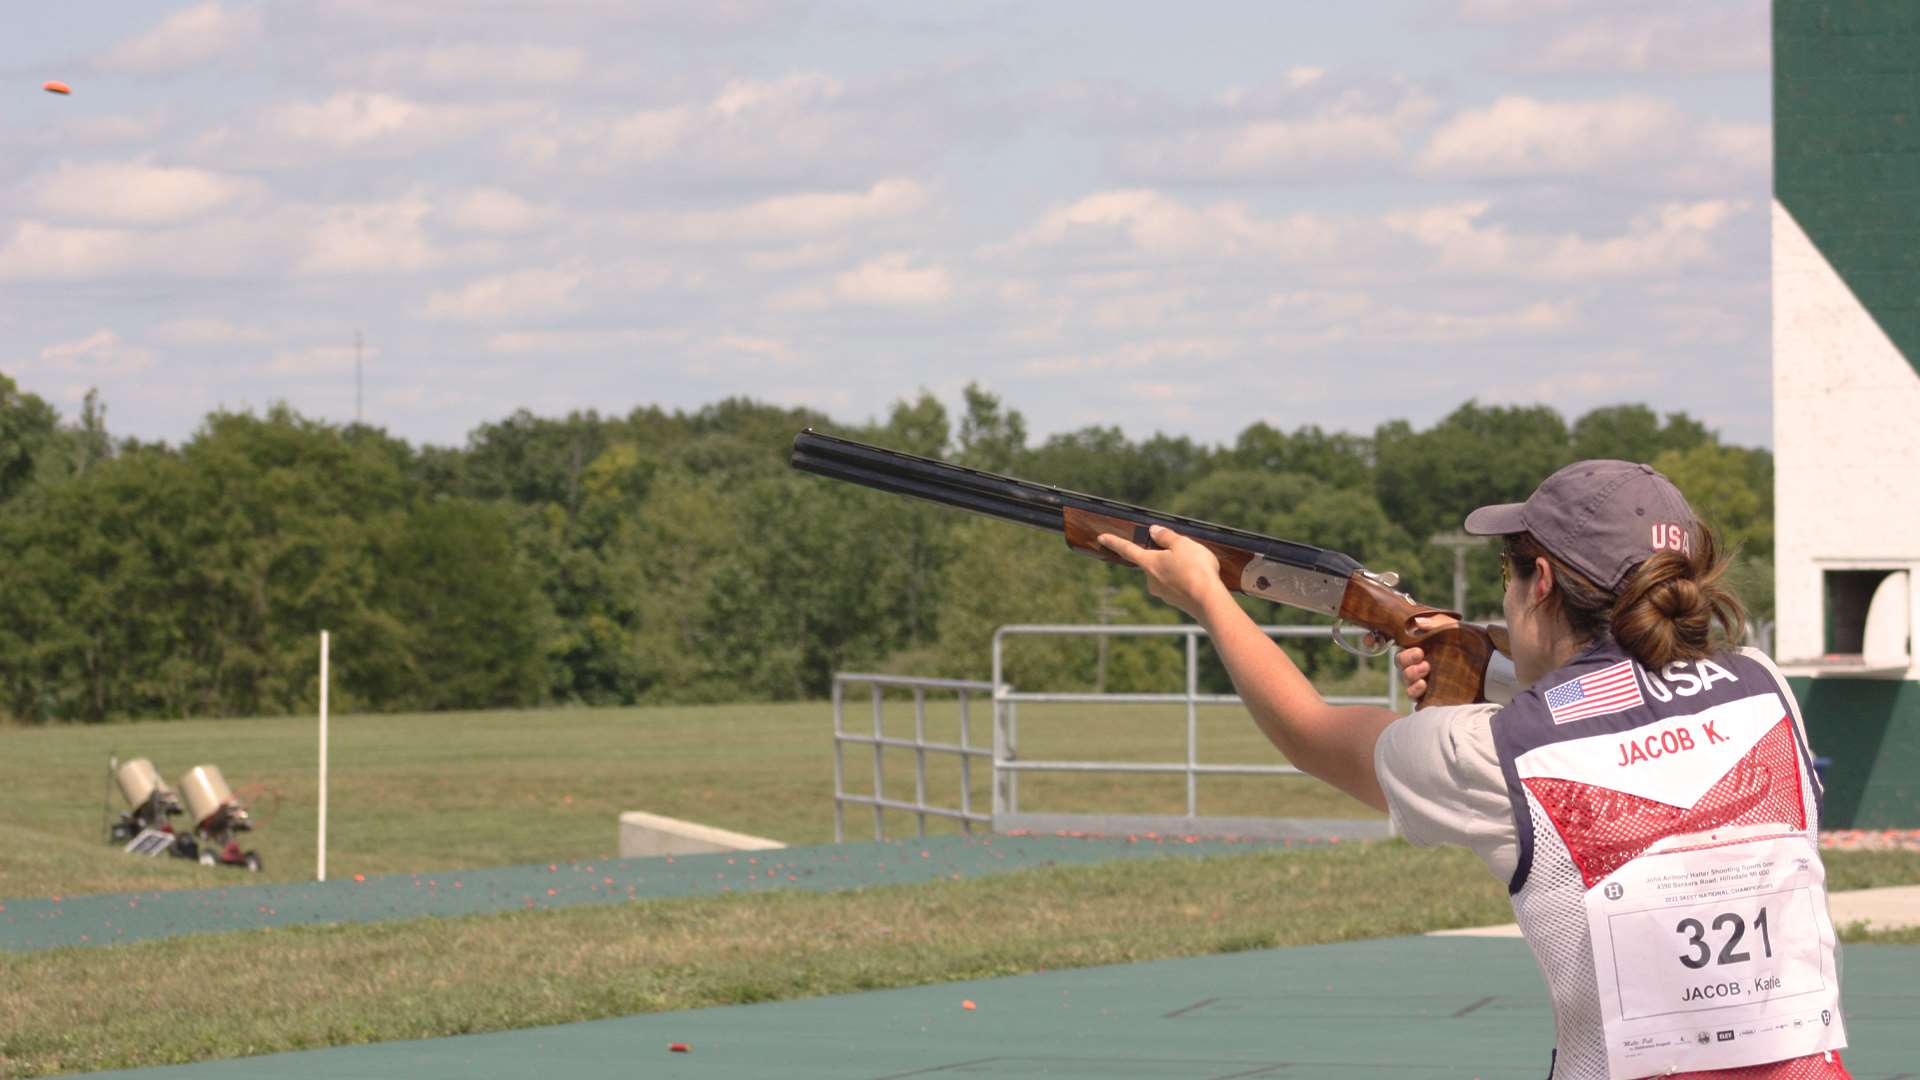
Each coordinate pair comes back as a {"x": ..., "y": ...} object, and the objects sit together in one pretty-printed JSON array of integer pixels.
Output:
[{"x": 1603, "y": 518}]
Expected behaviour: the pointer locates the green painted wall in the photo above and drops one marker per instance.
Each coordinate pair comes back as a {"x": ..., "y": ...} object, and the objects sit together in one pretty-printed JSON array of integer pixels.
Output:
[
  {"x": 1871, "y": 730},
  {"x": 1846, "y": 138}
]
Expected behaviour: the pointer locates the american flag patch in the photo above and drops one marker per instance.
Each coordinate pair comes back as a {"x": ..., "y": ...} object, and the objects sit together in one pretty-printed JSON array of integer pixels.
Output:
[{"x": 1609, "y": 690}]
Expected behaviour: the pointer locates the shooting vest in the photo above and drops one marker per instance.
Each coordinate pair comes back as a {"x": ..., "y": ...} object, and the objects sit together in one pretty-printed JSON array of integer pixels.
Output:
[{"x": 1669, "y": 878}]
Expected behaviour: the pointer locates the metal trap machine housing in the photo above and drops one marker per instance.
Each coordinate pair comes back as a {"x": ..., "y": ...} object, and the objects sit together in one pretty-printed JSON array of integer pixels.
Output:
[
  {"x": 147, "y": 827},
  {"x": 218, "y": 817}
]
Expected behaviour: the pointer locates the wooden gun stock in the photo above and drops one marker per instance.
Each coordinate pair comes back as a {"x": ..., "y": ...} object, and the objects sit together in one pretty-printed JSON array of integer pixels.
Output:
[{"x": 1458, "y": 652}]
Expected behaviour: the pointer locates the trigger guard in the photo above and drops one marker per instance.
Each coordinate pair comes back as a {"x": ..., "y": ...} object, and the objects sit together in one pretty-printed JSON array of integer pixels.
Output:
[{"x": 1341, "y": 640}]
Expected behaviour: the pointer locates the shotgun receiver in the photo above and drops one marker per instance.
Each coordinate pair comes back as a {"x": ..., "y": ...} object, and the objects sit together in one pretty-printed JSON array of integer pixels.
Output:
[{"x": 1285, "y": 572}]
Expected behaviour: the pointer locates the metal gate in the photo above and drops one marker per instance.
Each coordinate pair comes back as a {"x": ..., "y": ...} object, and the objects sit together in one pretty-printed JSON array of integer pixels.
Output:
[
  {"x": 879, "y": 740},
  {"x": 1007, "y": 765}
]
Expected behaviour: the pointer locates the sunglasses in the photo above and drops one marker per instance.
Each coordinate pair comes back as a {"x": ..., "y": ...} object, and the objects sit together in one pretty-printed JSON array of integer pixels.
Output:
[{"x": 1507, "y": 559}]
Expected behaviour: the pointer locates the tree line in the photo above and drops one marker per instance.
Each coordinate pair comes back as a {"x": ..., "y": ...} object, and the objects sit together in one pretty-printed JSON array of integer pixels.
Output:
[{"x": 674, "y": 557}]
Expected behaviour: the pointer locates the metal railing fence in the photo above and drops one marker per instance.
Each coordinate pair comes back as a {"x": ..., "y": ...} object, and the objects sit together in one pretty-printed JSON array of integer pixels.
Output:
[
  {"x": 1007, "y": 764},
  {"x": 880, "y": 741},
  {"x": 1004, "y": 756}
]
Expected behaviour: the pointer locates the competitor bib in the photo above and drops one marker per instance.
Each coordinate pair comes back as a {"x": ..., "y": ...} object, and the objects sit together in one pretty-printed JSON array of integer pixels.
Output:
[{"x": 1716, "y": 957}]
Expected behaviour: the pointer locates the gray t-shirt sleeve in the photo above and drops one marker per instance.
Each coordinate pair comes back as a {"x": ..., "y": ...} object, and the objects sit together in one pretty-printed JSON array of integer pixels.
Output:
[{"x": 1441, "y": 776}]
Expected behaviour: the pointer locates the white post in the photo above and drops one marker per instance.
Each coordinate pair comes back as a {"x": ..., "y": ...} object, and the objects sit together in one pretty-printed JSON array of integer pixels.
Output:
[{"x": 321, "y": 868}]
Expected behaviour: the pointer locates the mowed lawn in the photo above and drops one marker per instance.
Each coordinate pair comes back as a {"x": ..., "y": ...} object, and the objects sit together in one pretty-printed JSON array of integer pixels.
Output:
[
  {"x": 467, "y": 790},
  {"x": 458, "y": 790}
]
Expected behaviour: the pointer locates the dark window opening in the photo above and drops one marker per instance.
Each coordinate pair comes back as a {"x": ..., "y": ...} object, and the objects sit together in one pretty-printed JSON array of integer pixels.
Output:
[{"x": 1849, "y": 595}]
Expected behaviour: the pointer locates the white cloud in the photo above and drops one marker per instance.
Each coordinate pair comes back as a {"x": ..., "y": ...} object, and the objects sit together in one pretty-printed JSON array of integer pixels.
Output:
[
  {"x": 472, "y": 62},
  {"x": 135, "y": 193},
  {"x": 187, "y": 39},
  {"x": 37, "y": 250},
  {"x": 1313, "y": 317},
  {"x": 347, "y": 125},
  {"x": 1268, "y": 148},
  {"x": 892, "y": 280},
  {"x": 1692, "y": 39},
  {"x": 98, "y": 354},
  {"x": 102, "y": 129},
  {"x": 263, "y": 243},
  {"x": 1132, "y": 356},
  {"x": 1724, "y": 157},
  {"x": 586, "y": 17},
  {"x": 1319, "y": 131},
  {"x": 206, "y": 332},
  {"x": 795, "y": 256},
  {"x": 772, "y": 351},
  {"x": 1505, "y": 12},
  {"x": 648, "y": 134},
  {"x": 565, "y": 342},
  {"x": 1604, "y": 37},
  {"x": 357, "y": 118},
  {"x": 1705, "y": 323},
  {"x": 1637, "y": 142},
  {"x": 825, "y": 399},
  {"x": 1590, "y": 378},
  {"x": 1319, "y": 305},
  {"x": 371, "y": 238},
  {"x": 216, "y": 246},
  {"x": 743, "y": 97},
  {"x": 797, "y": 125},
  {"x": 1161, "y": 225},
  {"x": 518, "y": 295},
  {"x": 1164, "y": 391},
  {"x": 1668, "y": 238},
  {"x": 805, "y": 298},
  {"x": 802, "y": 214},
  {"x": 1521, "y": 136},
  {"x": 495, "y": 210},
  {"x": 1533, "y": 319},
  {"x": 1454, "y": 228},
  {"x": 318, "y": 359}
]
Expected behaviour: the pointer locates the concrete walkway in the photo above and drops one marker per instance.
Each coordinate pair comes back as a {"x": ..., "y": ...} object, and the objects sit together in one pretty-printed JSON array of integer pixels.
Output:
[
  {"x": 1893, "y": 908},
  {"x": 1397, "y": 1009},
  {"x": 31, "y": 923}
]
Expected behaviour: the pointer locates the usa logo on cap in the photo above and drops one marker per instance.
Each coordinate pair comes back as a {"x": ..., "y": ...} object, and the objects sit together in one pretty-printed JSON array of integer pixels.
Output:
[{"x": 1669, "y": 536}]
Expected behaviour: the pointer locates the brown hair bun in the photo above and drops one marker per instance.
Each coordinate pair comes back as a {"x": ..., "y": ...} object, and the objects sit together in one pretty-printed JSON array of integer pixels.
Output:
[{"x": 1668, "y": 606}]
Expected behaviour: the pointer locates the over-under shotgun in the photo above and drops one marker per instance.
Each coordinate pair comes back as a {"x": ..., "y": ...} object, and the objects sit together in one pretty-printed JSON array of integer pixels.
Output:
[{"x": 1298, "y": 575}]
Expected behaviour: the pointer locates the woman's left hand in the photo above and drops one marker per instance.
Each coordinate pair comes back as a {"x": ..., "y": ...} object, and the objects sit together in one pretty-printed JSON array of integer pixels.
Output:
[{"x": 1184, "y": 572}]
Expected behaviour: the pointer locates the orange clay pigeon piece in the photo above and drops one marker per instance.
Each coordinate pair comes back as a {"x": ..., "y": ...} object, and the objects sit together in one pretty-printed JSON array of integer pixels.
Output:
[{"x": 56, "y": 88}]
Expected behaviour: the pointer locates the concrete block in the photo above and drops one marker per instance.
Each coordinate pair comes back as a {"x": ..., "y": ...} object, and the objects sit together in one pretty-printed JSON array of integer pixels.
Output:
[{"x": 643, "y": 835}]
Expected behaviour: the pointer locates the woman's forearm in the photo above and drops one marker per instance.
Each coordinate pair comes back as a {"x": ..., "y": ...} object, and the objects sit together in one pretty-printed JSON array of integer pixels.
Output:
[
  {"x": 1333, "y": 743},
  {"x": 1329, "y": 742}
]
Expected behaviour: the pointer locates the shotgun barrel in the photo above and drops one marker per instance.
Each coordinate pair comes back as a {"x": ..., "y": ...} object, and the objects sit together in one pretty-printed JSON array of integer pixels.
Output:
[
  {"x": 1037, "y": 505},
  {"x": 1284, "y": 571}
]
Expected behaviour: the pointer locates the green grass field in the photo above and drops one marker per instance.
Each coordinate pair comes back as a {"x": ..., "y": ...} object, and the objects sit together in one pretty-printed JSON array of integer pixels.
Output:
[
  {"x": 468, "y": 790},
  {"x": 457, "y": 790}
]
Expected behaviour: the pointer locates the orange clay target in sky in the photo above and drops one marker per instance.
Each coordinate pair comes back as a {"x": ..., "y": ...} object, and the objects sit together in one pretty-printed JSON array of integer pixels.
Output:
[{"x": 56, "y": 88}]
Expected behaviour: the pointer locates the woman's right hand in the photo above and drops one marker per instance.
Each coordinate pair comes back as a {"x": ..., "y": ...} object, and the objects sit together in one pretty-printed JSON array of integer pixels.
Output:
[{"x": 1414, "y": 670}]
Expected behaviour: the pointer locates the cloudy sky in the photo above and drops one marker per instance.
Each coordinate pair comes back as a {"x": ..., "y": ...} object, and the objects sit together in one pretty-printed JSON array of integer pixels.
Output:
[{"x": 1181, "y": 218}]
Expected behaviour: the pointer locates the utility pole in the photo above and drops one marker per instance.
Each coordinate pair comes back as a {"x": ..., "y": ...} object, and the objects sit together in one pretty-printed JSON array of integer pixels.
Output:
[
  {"x": 1461, "y": 543},
  {"x": 356, "y": 378}
]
